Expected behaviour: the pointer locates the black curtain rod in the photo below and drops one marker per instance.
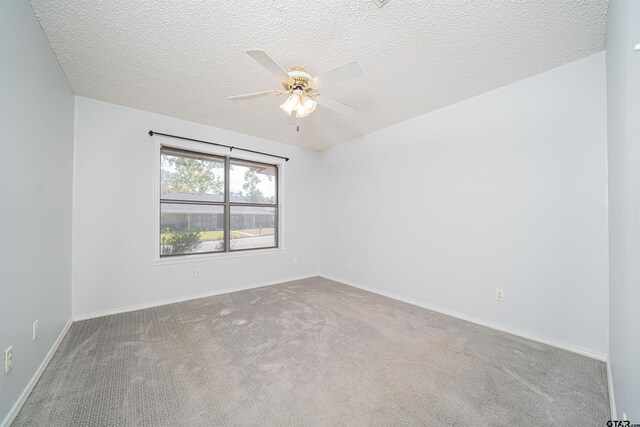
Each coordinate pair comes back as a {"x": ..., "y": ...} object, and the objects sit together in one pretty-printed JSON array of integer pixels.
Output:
[{"x": 230, "y": 147}]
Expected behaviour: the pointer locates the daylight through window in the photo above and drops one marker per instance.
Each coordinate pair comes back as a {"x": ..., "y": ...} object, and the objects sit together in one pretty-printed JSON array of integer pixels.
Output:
[{"x": 213, "y": 203}]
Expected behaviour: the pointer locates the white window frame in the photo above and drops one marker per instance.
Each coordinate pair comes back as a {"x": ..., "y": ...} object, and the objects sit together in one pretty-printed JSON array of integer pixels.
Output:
[{"x": 164, "y": 141}]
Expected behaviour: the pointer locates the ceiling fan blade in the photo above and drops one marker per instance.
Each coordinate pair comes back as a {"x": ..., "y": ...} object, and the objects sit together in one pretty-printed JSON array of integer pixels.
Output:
[
  {"x": 339, "y": 74},
  {"x": 248, "y": 96},
  {"x": 267, "y": 62},
  {"x": 334, "y": 105}
]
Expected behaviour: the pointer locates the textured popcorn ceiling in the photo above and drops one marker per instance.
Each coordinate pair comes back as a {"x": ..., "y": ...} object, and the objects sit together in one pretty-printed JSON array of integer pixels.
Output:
[{"x": 183, "y": 58}]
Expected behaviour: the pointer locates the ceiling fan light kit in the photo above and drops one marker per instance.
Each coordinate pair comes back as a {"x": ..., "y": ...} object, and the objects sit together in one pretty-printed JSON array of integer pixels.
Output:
[
  {"x": 302, "y": 87},
  {"x": 302, "y": 105}
]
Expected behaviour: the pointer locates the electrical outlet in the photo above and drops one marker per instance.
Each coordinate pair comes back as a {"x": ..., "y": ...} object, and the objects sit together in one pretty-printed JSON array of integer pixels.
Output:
[
  {"x": 8, "y": 359},
  {"x": 36, "y": 329},
  {"x": 349, "y": 263},
  {"x": 499, "y": 294},
  {"x": 295, "y": 260},
  {"x": 196, "y": 272}
]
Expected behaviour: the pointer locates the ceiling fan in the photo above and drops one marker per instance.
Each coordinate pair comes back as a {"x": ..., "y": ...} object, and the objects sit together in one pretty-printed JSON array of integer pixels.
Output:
[{"x": 302, "y": 87}]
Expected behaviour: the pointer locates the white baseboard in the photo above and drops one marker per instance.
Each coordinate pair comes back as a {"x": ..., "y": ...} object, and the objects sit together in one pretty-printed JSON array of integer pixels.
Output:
[
  {"x": 119, "y": 310},
  {"x": 612, "y": 399},
  {"x": 34, "y": 380},
  {"x": 472, "y": 319}
]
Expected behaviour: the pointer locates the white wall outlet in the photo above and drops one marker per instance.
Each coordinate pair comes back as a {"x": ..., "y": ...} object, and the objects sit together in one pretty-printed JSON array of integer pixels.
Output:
[
  {"x": 295, "y": 260},
  {"x": 36, "y": 329},
  {"x": 349, "y": 263},
  {"x": 196, "y": 272},
  {"x": 499, "y": 294},
  {"x": 8, "y": 359}
]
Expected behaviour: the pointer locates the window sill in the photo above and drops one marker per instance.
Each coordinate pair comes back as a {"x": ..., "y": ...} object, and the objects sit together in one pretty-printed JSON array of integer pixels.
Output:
[{"x": 214, "y": 257}]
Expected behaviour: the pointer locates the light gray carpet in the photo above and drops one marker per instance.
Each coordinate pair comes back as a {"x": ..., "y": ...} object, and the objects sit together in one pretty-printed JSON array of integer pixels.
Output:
[{"x": 309, "y": 352}]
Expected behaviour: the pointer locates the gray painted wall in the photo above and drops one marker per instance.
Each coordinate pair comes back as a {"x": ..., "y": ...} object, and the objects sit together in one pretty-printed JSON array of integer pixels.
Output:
[
  {"x": 36, "y": 169},
  {"x": 623, "y": 82},
  {"x": 504, "y": 190},
  {"x": 115, "y": 251}
]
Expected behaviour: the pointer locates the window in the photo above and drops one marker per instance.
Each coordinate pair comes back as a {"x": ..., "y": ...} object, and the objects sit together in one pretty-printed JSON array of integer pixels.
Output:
[{"x": 211, "y": 203}]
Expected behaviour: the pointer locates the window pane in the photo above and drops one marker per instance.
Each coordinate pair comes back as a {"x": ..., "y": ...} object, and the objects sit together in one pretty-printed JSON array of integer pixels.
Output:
[
  {"x": 191, "y": 176},
  {"x": 189, "y": 228},
  {"x": 252, "y": 227},
  {"x": 252, "y": 182}
]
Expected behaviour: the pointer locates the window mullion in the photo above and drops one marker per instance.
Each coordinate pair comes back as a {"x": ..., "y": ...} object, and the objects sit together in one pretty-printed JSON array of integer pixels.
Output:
[
  {"x": 191, "y": 202},
  {"x": 227, "y": 209},
  {"x": 255, "y": 205}
]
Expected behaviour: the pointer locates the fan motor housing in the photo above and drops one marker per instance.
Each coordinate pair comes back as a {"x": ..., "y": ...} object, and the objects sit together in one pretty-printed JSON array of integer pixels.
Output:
[{"x": 299, "y": 80}]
